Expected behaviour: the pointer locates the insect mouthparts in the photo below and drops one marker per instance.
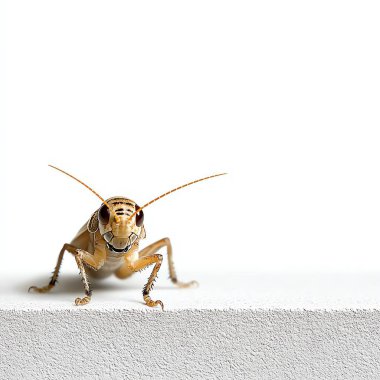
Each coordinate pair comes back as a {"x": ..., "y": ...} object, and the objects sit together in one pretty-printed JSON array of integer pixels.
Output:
[{"x": 122, "y": 250}]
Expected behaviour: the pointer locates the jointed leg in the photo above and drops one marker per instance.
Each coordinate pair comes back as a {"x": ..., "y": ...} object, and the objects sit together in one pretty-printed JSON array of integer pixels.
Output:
[
  {"x": 142, "y": 263},
  {"x": 82, "y": 258},
  {"x": 87, "y": 286},
  {"x": 54, "y": 277},
  {"x": 153, "y": 248},
  {"x": 150, "y": 283},
  {"x": 146, "y": 257}
]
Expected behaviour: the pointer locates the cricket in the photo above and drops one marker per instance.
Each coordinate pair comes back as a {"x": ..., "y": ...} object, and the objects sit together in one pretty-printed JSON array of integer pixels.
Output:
[{"x": 108, "y": 243}]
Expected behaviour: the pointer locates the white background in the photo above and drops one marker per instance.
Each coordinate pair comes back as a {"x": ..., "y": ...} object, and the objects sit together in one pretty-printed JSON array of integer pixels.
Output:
[{"x": 135, "y": 98}]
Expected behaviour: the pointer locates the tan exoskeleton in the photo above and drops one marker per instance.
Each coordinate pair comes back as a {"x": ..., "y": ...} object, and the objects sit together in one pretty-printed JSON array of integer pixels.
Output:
[{"x": 109, "y": 244}]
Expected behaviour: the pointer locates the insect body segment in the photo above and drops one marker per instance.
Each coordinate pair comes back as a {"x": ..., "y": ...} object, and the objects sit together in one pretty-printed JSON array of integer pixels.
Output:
[{"x": 109, "y": 244}]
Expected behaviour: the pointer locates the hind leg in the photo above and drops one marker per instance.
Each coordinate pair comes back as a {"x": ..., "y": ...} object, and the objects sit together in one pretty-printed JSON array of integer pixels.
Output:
[
  {"x": 153, "y": 248},
  {"x": 54, "y": 277}
]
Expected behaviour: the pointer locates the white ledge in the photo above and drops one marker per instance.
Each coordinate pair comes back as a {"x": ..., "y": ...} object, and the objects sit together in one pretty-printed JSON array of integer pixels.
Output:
[{"x": 233, "y": 326}]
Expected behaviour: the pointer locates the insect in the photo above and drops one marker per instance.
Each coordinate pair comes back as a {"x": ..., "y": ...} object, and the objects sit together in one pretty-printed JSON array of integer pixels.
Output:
[{"x": 109, "y": 244}]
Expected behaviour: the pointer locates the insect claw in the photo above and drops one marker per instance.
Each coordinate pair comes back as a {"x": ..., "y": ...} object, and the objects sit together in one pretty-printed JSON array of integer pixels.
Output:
[
  {"x": 30, "y": 288},
  {"x": 43, "y": 289},
  {"x": 82, "y": 301}
]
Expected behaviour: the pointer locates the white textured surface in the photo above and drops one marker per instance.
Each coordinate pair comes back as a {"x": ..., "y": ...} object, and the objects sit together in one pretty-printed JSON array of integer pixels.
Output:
[{"x": 233, "y": 326}]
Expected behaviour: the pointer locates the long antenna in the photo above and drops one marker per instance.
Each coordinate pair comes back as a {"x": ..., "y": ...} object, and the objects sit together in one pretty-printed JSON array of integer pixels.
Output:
[
  {"x": 172, "y": 191},
  {"x": 89, "y": 188}
]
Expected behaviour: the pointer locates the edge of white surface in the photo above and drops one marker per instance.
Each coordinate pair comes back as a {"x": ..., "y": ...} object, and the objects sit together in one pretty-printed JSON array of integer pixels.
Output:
[{"x": 233, "y": 326}]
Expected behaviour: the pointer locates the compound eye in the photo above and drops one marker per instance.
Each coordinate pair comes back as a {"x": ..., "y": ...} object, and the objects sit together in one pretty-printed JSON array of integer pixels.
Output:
[
  {"x": 104, "y": 215},
  {"x": 139, "y": 217}
]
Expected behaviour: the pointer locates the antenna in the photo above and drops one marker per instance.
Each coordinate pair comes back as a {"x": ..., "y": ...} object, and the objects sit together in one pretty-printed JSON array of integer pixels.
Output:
[
  {"x": 89, "y": 188},
  {"x": 172, "y": 191}
]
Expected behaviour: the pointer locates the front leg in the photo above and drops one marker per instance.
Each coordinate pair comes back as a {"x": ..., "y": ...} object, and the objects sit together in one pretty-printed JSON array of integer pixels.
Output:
[
  {"x": 94, "y": 261},
  {"x": 147, "y": 257},
  {"x": 80, "y": 259},
  {"x": 142, "y": 263}
]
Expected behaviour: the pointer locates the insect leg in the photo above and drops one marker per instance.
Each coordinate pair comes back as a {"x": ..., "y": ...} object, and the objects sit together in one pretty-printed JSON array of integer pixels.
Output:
[
  {"x": 54, "y": 277},
  {"x": 87, "y": 287},
  {"x": 94, "y": 261},
  {"x": 142, "y": 263},
  {"x": 153, "y": 248}
]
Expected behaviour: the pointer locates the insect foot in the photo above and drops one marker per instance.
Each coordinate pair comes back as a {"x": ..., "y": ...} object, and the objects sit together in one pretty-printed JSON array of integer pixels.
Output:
[
  {"x": 152, "y": 303},
  {"x": 191, "y": 284},
  {"x": 44, "y": 289},
  {"x": 82, "y": 301}
]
